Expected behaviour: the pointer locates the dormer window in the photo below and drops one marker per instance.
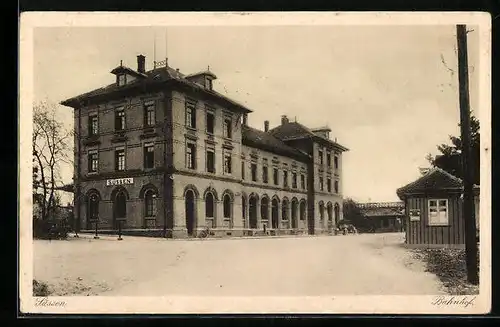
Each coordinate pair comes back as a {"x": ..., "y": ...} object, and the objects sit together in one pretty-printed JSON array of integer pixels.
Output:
[
  {"x": 122, "y": 79},
  {"x": 209, "y": 83}
]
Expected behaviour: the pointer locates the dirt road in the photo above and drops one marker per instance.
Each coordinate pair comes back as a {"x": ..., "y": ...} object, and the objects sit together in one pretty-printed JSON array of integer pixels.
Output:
[{"x": 366, "y": 264}]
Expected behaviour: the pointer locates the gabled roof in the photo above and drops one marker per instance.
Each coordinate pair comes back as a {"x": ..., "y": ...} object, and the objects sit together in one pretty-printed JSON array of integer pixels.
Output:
[
  {"x": 154, "y": 76},
  {"x": 436, "y": 179},
  {"x": 266, "y": 141},
  {"x": 295, "y": 131}
]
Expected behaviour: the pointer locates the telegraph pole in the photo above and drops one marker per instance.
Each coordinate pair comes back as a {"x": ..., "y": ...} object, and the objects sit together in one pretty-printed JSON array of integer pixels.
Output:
[{"x": 468, "y": 200}]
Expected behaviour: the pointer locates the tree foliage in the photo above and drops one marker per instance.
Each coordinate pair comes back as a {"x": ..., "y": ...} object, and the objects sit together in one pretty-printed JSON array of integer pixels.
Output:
[
  {"x": 353, "y": 215},
  {"x": 50, "y": 148},
  {"x": 450, "y": 158}
]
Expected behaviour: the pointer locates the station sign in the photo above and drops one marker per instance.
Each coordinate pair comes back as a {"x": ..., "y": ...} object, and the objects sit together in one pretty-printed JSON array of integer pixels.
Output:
[{"x": 120, "y": 181}]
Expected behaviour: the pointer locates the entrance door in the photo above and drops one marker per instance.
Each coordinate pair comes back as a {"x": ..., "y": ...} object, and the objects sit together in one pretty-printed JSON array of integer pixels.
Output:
[
  {"x": 190, "y": 212},
  {"x": 120, "y": 208},
  {"x": 253, "y": 212}
]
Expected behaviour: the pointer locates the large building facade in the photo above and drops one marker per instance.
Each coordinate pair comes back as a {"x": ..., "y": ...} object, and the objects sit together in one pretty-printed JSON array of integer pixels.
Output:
[{"x": 162, "y": 153}]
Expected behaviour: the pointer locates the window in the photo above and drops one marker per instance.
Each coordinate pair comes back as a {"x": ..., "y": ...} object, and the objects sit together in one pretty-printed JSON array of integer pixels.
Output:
[
  {"x": 93, "y": 161},
  {"x": 336, "y": 162},
  {"x": 211, "y": 161},
  {"x": 120, "y": 160},
  {"x": 302, "y": 210},
  {"x": 438, "y": 212},
  {"x": 303, "y": 181},
  {"x": 254, "y": 172},
  {"x": 329, "y": 159},
  {"x": 93, "y": 125},
  {"x": 242, "y": 168},
  {"x": 190, "y": 115},
  {"x": 329, "y": 184},
  {"x": 265, "y": 177},
  {"x": 227, "y": 127},
  {"x": 122, "y": 79},
  {"x": 227, "y": 206},
  {"x": 149, "y": 114},
  {"x": 210, "y": 122},
  {"x": 275, "y": 176},
  {"x": 336, "y": 186},
  {"x": 321, "y": 184},
  {"x": 321, "y": 211},
  {"x": 191, "y": 156},
  {"x": 227, "y": 163},
  {"x": 264, "y": 208},
  {"x": 285, "y": 178},
  {"x": 209, "y": 83},
  {"x": 320, "y": 155},
  {"x": 294, "y": 180},
  {"x": 149, "y": 156},
  {"x": 119, "y": 120},
  {"x": 150, "y": 204}
]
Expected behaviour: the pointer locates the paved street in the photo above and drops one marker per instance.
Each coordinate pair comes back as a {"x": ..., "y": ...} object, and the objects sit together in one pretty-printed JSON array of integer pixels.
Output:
[{"x": 371, "y": 264}]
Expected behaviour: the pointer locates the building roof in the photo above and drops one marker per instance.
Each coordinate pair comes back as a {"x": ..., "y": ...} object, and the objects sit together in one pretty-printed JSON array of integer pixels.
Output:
[
  {"x": 294, "y": 131},
  {"x": 154, "y": 76},
  {"x": 266, "y": 141},
  {"x": 435, "y": 179}
]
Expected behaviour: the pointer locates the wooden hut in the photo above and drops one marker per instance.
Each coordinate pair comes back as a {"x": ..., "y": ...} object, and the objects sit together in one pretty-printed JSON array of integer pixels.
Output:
[{"x": 433, "y": 210}]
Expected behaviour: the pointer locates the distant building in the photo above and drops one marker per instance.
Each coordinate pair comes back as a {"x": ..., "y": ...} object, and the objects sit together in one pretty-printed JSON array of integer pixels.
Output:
[
  {"x": 161, "y": 152},
  {"x": 433, "y": 210},
  {"x": 384, "y": 216}
]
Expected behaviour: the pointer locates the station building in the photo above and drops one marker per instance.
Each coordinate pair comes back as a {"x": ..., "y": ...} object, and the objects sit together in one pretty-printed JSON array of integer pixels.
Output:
[{"x": 161, "y": 153}]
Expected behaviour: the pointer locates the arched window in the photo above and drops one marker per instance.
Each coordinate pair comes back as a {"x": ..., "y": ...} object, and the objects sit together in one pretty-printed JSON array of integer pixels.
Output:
[
  {"x": 321, "y": 210},
  {"x": 227, "y": 206},
  {"x": 264, "y": 208},
  {"x": 302, "y": 210},
  {"x": 209, "y": 205},
  {"x": 284, "y": 210},
  {"x": 336, "y": 209},
  {"x": 150, "y": 203}
]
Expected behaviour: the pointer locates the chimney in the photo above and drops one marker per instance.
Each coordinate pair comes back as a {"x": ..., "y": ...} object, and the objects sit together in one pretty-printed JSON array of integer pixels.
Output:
[
  {"x": 245, "y": 119},
  {"x": 284, "y": 120},
  {"x": 266, "y": 126},
  {"x": 141, "y": 64}
]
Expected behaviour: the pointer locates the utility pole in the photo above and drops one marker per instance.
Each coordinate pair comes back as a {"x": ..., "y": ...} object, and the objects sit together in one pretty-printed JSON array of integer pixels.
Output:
[{"x": 468, "y": 199}]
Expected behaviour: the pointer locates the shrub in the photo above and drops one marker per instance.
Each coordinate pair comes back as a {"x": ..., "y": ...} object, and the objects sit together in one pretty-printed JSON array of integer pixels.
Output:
[
  {"x": 40, "y": 288},
  {"x": 50, "y": 229}
]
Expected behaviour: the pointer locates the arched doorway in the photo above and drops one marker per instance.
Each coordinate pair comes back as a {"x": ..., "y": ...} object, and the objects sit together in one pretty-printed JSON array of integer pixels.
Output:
[
  {"x": 92, "y": 209},
  {"x": 264, "y": 209},
  {"x": 190, "y": 211},
  {"x": 119, "y": 208},
  {"x": 252, "y": 212},
  {"x": 321, "y": 212},
  {"x": 295, "y": 205},
  {"x": 275, "y": 212},
  {"x": 336, "y": 210}
]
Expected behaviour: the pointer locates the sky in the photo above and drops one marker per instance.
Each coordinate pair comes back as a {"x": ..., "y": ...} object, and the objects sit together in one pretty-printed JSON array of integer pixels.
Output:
[{"x": 389, "y": 93}]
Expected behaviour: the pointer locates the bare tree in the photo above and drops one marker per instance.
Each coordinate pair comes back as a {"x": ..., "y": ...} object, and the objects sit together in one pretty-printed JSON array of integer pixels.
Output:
[{"x": 50, "y": 149}]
